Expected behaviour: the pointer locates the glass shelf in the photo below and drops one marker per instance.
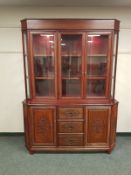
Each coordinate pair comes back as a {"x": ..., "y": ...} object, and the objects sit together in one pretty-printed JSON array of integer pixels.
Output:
[
  {"x": 70, "y": 78},
  {"x": 44, "y": 78},
  {"x": 45, "y": 56}
]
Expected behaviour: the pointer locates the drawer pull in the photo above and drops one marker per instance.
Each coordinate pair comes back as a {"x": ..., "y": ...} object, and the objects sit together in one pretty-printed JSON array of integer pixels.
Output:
[
  {"x": 72, "y": 113},
  {"x": 70, "y": 127}
]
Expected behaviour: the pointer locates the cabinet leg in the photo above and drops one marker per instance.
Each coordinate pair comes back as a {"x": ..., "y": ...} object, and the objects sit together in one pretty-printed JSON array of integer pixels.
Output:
[
  {"x": 109, "y": 151},
  {"x": 31, "y": 152}
]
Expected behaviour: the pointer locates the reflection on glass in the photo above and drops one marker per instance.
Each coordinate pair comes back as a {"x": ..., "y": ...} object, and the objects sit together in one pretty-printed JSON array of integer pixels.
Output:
[
  {"x": 96, "y": 65},
  {"x": 71, "y": 54},
  {"x": 114, "y": 65},
  {"x": 45, "y": 88},
  {"x": 97, "y": 45},
  {"x": 44, "y": 61},
  {"x": 44, "y": 66},
  {"x": 71, "y": 66},
  {"x": 96, "y": 87},
  {"x": 43, "y": 44},
  {"x": 70, "y": 87},
  {"x": 97, "y": 54},
  {"x": 26, "y": 67},
  {"x": 71, "y": 45}
]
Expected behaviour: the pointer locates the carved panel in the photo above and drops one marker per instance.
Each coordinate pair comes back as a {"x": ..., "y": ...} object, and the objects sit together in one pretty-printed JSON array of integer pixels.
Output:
[
  {"x": 98, "y": 120},
  {"x": 43, "y": 126}
]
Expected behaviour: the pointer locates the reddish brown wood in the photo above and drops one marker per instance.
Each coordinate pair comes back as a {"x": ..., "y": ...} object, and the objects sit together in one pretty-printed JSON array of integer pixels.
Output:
[
  {"x": 98, "y": 125},
  {"x": 70, "y": 127},
  {"x": 70, "y": 139},
  {"x": 70, "y": 123},
  {"x": 42, "y": 126},
  {"x": 113, "y": 124},
  {"x": 70, "y": 113},
  {"x": 64, "y": 24}
]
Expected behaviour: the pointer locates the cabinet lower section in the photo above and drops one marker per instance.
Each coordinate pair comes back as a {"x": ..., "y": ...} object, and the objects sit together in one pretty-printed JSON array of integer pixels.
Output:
[{"x": 70, "y": 128}]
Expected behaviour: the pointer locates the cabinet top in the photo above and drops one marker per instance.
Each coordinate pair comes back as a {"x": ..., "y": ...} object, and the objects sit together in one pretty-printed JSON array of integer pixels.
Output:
[{"x": 70, "y": 24}]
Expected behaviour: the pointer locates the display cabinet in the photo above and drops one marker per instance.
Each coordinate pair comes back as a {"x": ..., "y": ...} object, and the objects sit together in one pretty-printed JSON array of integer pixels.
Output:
[{"x": 70, "y": 71}]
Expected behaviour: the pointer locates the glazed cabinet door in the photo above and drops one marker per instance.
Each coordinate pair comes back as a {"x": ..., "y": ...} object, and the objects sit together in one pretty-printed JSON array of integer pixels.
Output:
[
  {"x": 98, "y": 126},
  {"x": 71, "y": 56},
  {"x": 98, "y": 64},
  {"x": 43, "y": 64},
  {"x": 42, "y": 126}
]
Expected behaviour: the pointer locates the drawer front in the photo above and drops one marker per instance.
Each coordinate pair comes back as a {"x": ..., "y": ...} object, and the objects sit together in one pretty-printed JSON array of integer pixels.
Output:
[
  {"x": 70, "y": 139},
  {"x": 70, "y": 113},
  {"x": 70, "y": 127}
]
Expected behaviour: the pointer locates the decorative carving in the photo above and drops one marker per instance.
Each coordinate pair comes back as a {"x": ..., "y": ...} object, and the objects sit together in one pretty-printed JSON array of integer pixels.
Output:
[
  {"x": 71, "y": 141},
  {"x": 98, "y": 126},
  {"x": 43, "y": 125}
]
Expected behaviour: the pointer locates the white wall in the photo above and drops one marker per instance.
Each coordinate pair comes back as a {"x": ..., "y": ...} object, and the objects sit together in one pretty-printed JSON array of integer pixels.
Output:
[{"x": 11, "y": 65}]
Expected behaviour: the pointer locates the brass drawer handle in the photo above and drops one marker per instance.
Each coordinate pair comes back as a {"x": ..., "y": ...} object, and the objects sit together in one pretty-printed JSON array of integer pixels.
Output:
[
  {"x": 72, "y": 113},
  {"x": 70, "y": 127}
]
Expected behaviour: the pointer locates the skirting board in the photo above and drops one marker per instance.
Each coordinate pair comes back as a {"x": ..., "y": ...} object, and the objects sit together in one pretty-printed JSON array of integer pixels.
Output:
[{"x": 22, "y": 133}]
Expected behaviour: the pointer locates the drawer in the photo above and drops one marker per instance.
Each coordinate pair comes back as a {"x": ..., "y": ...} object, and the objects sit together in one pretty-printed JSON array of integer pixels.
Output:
[
  {"x": 70, "y": 139},
  {"x": 70, "y": 127},
  {"x": 70, "y": 113}
]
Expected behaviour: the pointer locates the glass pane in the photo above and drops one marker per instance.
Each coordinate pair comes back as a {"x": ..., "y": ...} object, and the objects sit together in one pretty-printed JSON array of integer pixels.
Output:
[
  {"x": 45, "y": 88},
  {"x": 70, "y": 87},
  {"x": 44, "y": 66},
  {"x": 96, "y": 65},
  {"x": 114, "y": 65},
  {"x": 44, "y": 62},
  {"x": 43, "y": 44},
  {"x": 26, "y": 67},
  {"x": 97, "y": 45},
  {"x": 71, "y": 55},
  {"x": 96, "y": 87},
  {"x": 71, "y": 66},
  {"x": 97, "y": 57}
]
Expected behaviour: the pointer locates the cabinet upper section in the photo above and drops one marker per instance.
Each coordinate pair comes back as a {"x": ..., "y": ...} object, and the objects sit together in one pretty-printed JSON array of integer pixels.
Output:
[
  {"x": 70, "y": 59},
  {"x": 68, "y": 24}
]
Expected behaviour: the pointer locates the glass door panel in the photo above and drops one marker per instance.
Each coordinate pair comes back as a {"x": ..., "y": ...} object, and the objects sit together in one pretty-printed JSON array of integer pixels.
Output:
[
  {"x": 96, "y": 87},
  {"x": 114, "y": 62},
  {"x": 71, "y": 57},
  {"x": 26, "y": 66},
  {"x": 44, "y": 64},
  {"x": 97, "y": 55}
]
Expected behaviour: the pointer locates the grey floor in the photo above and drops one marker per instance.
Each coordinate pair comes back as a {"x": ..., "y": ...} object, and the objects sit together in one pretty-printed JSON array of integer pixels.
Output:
[{"x": 15, "y": 160}]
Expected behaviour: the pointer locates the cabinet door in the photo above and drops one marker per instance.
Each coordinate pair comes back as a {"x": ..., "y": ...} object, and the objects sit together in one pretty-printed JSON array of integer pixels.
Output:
[
  {"x": 43, "y": 126},
  {"x": 43, "y": 64},
  {"x": 97, "y": 66},
  {"x": 71, "y": 64},
  {"x": 98, "y": 126}
]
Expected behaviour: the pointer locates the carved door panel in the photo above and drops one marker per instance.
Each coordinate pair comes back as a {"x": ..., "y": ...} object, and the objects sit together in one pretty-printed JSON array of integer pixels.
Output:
[
  {"x": 98, "y": 126},
  {"x": 43, "y": 126}
]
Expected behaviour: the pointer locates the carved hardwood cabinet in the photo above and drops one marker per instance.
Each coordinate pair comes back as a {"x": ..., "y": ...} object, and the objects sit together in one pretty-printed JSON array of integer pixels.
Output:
[{"x": 70, "y": 71}]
